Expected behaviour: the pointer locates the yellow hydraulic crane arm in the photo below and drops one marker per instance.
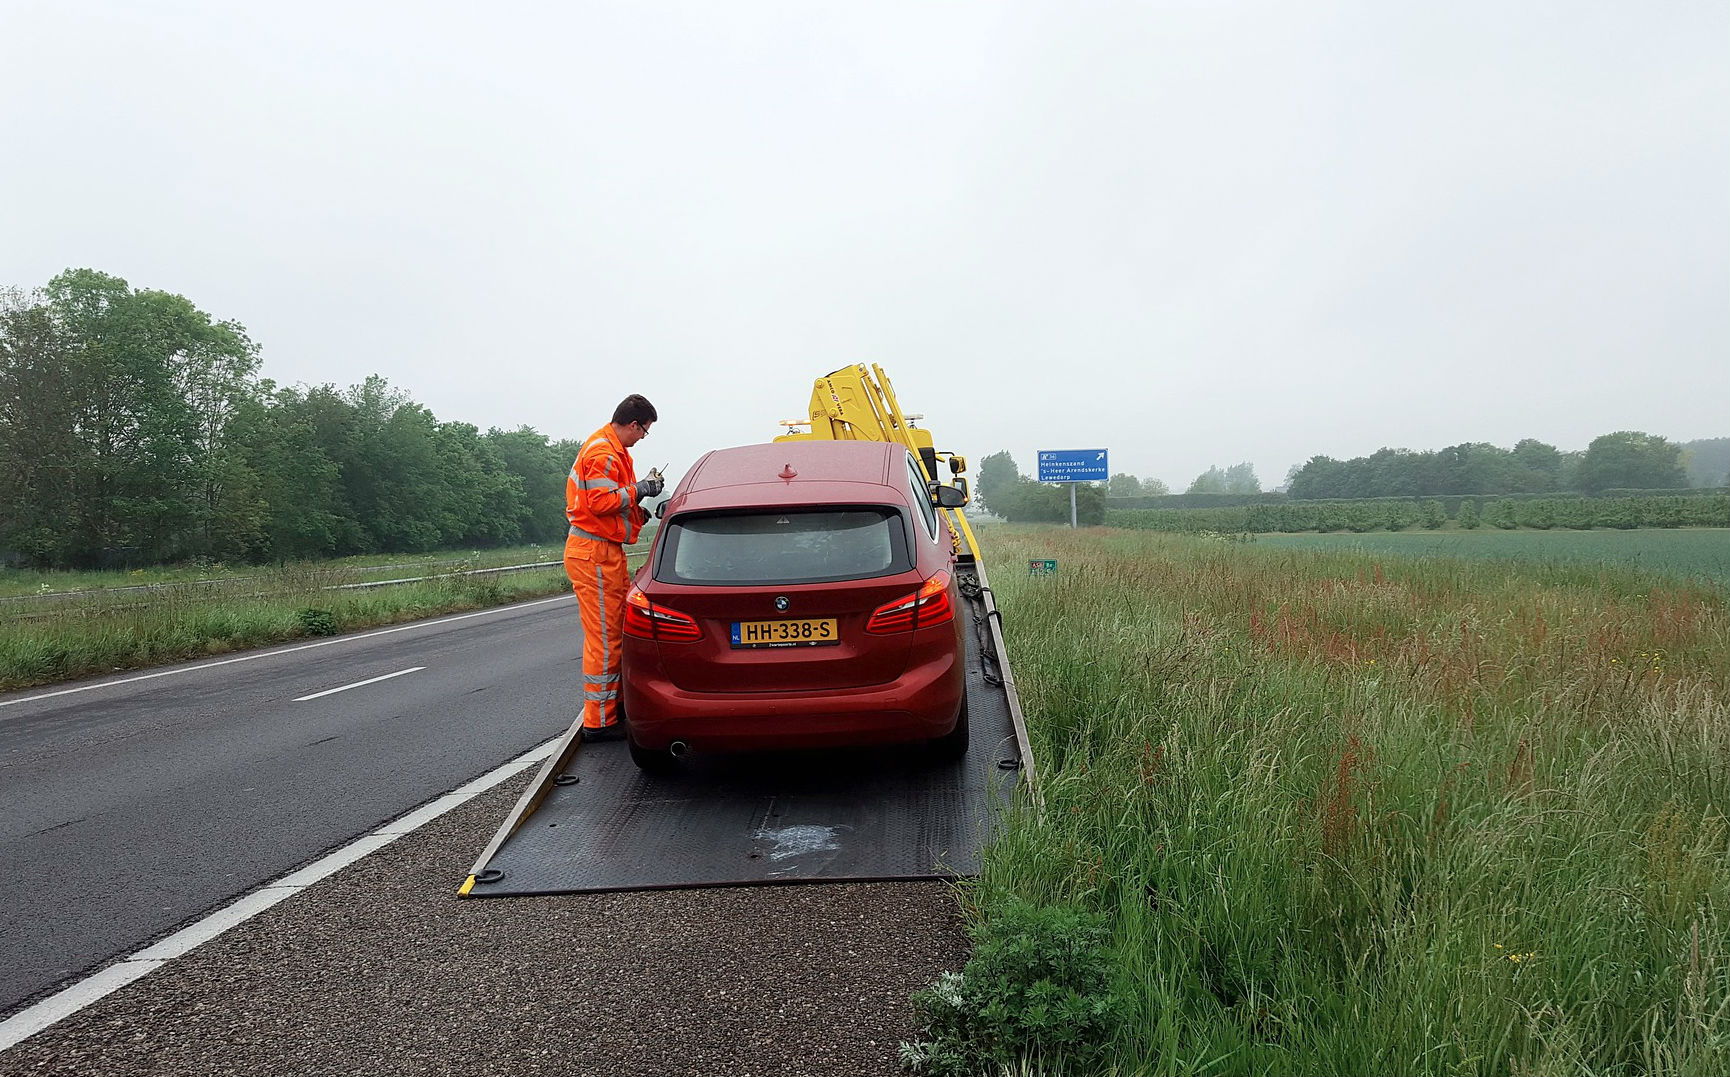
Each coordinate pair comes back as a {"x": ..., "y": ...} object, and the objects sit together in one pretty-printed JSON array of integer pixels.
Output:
[{"x": 859, "y": 404}]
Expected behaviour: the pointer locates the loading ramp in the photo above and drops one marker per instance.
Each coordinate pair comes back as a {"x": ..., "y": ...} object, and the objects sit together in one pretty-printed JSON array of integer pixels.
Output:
[{"x": 591, "y": 821}]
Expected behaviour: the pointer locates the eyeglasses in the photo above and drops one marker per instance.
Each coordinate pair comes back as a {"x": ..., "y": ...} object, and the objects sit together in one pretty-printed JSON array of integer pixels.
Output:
[{"x": 641, "y": 425}]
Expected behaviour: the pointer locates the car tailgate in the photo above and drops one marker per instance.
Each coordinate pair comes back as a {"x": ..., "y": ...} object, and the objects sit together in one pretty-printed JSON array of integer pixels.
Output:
[{"x": 716, "y": 663}]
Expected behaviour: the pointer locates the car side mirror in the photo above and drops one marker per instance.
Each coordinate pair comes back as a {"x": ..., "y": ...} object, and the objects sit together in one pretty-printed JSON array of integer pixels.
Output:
[
  {"x": 947, "y": 497},
  {"x": 661, "y": 511}
]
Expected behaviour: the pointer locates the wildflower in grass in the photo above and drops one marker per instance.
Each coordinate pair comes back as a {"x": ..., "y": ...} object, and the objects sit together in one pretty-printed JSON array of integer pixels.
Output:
[{"x": 1515, "y": 956}]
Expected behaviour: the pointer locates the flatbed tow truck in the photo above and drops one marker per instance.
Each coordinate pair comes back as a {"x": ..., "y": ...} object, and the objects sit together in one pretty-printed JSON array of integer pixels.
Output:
[{"x": 591, "y": 821}]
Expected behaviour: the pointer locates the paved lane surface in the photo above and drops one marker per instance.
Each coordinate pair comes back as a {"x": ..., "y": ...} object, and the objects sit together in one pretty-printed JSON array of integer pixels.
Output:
[{"x": 142, "y": 802}]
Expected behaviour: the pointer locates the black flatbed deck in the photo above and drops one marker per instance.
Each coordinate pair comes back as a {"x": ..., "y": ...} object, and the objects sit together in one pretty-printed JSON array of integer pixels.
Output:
[{"x": 593, "y": 822}]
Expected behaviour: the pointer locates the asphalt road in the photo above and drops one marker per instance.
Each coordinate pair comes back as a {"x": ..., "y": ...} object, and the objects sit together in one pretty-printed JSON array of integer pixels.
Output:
[{"x": 131, "y": 805}]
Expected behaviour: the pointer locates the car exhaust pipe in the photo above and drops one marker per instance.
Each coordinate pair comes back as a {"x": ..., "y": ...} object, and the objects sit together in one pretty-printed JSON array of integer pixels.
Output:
[{"x": 678, "y": 748}]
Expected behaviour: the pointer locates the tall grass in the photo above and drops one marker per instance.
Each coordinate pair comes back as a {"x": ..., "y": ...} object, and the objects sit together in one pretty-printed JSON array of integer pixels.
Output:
[
  {"x": 1350, "y": 816},
  {"x": 1696, "y": 553}
]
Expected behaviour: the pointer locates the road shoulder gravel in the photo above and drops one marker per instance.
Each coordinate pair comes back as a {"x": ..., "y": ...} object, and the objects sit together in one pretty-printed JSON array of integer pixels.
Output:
[{"x": 382, "y": 969}]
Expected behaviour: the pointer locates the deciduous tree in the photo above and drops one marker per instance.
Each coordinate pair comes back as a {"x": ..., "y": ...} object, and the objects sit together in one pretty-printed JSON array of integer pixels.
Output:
[
  {"x": 540, "y": 466},
  {"x": 997, "y": 473},
  {"x": 1211, "y": 481},
  {"x": 1123, "y": 484},
  {"x": 1241, "y": 479},
  {"x": 1632, "y": 460}
]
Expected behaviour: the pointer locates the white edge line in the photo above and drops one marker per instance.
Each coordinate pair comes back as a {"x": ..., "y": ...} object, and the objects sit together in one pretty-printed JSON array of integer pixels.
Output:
[
  {"x": 274, "y": 651},
  {"x": 359, "y": 684},
  {"x": 60, "y": 1006},
  {"x": 70, "y": 1000},
  {"x": 196, "y": 934}
]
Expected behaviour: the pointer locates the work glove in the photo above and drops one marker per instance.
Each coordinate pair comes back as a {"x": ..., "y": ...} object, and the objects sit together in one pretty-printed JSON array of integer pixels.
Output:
[{"x": 647, "y": 488}]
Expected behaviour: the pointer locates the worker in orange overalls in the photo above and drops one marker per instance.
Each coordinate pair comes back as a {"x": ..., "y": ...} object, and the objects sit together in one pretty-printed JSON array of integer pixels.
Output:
[{"x": 604, "y": 505}]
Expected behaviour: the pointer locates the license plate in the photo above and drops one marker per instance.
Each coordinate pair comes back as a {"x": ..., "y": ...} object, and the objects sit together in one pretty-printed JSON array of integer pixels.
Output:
[{"x": 810, "y": 632}]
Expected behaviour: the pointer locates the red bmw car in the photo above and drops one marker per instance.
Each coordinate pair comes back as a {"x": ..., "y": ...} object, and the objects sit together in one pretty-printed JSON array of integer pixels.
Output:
[{"x": 799, "y": 594}]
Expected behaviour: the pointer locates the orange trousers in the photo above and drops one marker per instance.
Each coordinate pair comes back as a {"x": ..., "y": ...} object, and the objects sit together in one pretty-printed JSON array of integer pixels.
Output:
[{"x": 600, "y": 579}]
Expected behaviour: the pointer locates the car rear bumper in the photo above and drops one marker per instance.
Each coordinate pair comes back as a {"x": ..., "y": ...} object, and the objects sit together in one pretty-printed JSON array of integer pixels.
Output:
[{"x": 922, "y": 704}]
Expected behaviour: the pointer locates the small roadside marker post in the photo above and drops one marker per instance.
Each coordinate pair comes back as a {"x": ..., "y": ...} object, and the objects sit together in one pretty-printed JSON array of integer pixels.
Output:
[{"x": 1073, "y": 466}]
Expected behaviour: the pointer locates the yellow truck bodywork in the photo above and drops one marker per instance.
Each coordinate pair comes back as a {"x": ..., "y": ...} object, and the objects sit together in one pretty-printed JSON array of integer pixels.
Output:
[{"x": 857, "y": 403}]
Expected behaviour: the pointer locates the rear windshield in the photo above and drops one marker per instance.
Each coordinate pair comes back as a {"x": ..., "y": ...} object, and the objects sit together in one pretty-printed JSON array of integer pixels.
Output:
[{"x": 784, "y": 547}]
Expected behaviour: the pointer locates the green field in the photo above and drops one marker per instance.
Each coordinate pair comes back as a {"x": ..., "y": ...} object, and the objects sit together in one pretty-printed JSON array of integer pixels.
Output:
[
  {"x": 1324, "y": 811},
  {"x": 1698, "y": 553}
]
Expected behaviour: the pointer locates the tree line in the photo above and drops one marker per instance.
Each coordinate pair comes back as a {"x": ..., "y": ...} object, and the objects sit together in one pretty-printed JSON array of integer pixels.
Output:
[
  {"x": 1626, "y": 460},
  {"x": 1709, "y": 509},
  {"x": 135, "y": 429},
  {"x": 1006, "y": 492}
]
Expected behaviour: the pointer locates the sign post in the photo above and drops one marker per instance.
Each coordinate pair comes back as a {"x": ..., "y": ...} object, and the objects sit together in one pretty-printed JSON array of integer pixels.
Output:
[{"x": 1073, "y": 466}]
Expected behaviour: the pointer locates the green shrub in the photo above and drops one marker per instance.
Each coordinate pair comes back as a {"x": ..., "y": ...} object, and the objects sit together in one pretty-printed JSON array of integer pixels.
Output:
[
  {"x": 1037, "y": 989},
  {"x": 1361, "y": 516},
  {"x": 316, "y": 622},
  {"x": 1540, "y": 514}
]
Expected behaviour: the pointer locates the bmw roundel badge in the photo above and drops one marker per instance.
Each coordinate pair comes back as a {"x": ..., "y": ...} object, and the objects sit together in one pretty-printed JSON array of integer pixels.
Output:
[{"x": 781, "y": 602}]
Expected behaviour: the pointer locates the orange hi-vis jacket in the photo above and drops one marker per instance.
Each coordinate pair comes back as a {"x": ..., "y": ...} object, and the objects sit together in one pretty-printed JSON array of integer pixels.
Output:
[{"x": 601, "y": 492}]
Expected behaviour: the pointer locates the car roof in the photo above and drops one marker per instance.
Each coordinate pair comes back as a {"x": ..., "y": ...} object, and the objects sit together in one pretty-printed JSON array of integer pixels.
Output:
[{"x": 822, "y": 473}]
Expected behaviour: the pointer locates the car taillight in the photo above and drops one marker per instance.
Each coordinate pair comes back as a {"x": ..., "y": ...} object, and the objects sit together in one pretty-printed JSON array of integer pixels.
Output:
[
  {"x": 929, "y": 605},
  {"x": 645, "y": 620}
]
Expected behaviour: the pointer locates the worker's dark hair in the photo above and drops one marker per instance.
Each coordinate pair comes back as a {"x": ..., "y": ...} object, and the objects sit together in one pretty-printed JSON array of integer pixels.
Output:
[{"x": 634, "y": 409}]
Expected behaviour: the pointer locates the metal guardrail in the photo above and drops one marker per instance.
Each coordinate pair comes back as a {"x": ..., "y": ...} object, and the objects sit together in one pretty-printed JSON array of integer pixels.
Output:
[
  {"x": 222, "y": 581},
  {"x": 73, "y": 601},
  {"x": 441, "y": 576},
  {"x": 632, "y": 549},
  {"x": 219, "y": 581}
]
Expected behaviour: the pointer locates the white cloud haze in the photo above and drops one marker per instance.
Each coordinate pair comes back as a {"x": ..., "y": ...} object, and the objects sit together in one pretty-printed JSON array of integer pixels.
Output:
[{"x": 1193, "y": 233}]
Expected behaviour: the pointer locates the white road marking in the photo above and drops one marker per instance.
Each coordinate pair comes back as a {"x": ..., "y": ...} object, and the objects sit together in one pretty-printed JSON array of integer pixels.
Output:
[
  {"x": 359, "y": 684},
  {"x": 68, "y": 1001},
  {"x": 281, "y": 650},
  {"x": 58, "y": 1007}
]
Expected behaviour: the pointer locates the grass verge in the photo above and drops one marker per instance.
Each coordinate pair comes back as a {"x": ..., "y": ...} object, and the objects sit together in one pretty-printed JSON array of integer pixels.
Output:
[
  {"x": 62, "y": 626},
  {"x": 1348, "y": 815},
  {"x": 108, "y": 631},
  {"x": 29, "y": 583}
]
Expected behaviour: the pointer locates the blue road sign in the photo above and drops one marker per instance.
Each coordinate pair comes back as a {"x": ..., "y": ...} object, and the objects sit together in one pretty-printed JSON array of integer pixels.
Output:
[{"x": 1073, "y": 465}]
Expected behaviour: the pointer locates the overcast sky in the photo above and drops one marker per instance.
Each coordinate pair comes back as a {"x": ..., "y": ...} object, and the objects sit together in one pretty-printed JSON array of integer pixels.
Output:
[{"x": 1191, "y": 233}]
